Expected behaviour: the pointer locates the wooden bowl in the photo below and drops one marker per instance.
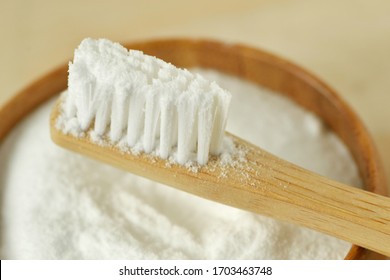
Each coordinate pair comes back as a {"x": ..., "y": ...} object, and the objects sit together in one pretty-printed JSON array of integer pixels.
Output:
[{"x": 250, "y": 64}]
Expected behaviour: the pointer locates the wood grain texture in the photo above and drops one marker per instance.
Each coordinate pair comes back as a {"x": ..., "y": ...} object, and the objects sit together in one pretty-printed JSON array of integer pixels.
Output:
[{"x": 253, "y": 65}]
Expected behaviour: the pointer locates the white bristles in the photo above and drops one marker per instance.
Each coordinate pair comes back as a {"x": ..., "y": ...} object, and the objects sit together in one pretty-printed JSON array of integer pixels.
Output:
[
  {"x": 206, "y": 116},
  {"x": 168, "y": 124},
  {"x": 186, "y": 114},
  {"x": 150, "y": 104},
  {"x": 221, "y": 114},
  {"x": 152, "y": 113},
  {"x": 84, "y": 105},
  {"x": 136, "y": 118},
  {"x": 119, "y": 116},
  {"x": 103, "y": 112}
]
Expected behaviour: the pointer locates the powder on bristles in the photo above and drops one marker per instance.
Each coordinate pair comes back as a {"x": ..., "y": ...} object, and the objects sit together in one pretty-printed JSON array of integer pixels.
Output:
[{"x": 151, "y": 103}]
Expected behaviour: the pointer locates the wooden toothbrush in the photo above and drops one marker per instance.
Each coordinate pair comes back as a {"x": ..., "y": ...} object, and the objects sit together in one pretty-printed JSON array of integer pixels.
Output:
[{"x": 252, "y": 179}]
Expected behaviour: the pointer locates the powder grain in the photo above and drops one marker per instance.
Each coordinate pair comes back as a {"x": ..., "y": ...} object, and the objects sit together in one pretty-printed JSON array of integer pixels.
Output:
[{"x": 60, "y": 205}]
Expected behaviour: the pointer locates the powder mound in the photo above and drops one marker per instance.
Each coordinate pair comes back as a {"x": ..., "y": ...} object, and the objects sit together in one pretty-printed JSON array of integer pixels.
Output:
[{"x": 144, "y": 102}]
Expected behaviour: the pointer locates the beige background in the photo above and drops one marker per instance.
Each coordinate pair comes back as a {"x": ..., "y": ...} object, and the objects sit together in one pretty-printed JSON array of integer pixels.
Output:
[{"x": 346, "y": 43}]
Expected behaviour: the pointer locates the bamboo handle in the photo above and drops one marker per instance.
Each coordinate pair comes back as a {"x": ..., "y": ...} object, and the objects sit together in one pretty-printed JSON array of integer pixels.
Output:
[
  {"x": 288, "y": 192},
  {"x": 262, "y": 184}
]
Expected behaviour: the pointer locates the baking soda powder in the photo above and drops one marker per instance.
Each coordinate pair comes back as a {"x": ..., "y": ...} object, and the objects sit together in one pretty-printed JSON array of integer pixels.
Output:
[{"x": 60, "y": 205}]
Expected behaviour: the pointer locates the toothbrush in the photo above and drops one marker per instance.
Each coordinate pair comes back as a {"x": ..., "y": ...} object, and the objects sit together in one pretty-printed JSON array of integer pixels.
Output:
[{"x": 148, "y": 117}]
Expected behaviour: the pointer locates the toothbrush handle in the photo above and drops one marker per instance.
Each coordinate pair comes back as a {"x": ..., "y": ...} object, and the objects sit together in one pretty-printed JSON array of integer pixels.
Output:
[{"x": 262, "y": 184}]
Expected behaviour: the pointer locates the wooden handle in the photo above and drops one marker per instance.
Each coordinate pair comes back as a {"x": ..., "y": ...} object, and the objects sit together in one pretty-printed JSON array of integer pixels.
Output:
[
  {"x": 262, "y": 184},
  {"x": 287, "y": 192}
]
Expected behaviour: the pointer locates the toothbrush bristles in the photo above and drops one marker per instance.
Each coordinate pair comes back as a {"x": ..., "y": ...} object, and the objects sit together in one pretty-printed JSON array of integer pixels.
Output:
[{"x": 145, "y": 102}]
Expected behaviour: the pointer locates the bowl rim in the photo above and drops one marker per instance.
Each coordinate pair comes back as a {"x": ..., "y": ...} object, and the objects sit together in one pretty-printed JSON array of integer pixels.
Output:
[{"x": 31, "y": 97}]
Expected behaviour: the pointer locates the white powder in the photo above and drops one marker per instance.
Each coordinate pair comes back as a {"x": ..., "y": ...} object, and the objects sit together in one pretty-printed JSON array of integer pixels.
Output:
[{"x": 59, "y": 205}]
